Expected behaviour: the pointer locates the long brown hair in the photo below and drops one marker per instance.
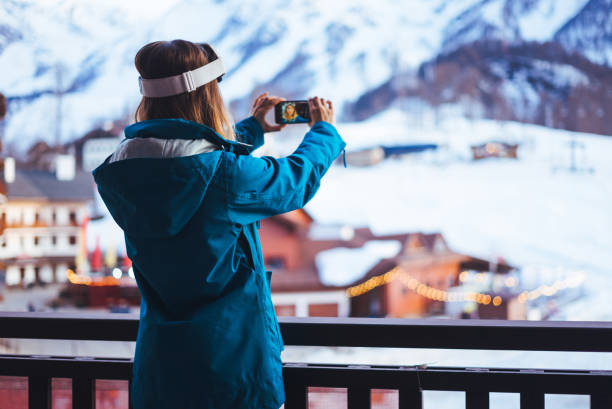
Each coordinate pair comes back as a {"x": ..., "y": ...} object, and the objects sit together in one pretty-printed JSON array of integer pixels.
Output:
[{"x": 204, "y": 105}]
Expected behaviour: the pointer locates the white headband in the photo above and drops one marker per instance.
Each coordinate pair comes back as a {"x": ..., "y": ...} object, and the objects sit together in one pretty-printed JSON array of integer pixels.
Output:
[{"x": 185, "y": 82}]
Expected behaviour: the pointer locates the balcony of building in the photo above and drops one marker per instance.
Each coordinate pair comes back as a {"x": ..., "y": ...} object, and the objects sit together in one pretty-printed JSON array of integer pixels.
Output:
[{"x": 358, "y": 386}]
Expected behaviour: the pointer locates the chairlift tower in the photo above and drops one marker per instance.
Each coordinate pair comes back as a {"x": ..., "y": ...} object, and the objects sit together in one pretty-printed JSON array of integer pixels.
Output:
[{"x": 574, "y": 166}]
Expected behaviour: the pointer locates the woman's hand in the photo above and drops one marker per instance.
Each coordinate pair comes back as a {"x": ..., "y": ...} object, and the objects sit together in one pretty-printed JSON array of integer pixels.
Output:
[
  {"x": 321, "y": 110},
  {"x": 261, "y": 106}
]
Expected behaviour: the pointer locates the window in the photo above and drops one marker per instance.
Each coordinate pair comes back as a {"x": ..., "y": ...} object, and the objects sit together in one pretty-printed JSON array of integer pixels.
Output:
[
  {"x": 323, "y": 310},
  {"x": 285, "y": 310},
  {"x": 53, "y": 217},
  {"x": 53, "y": 240},
  {"x": 72, "y": 240},
  {"x": 36, "y": 218},
  {"x": 73, "y": 218},
  {"x": 374, "y": 307},
  {"x": 36, "y": 240},
  {"x": 275, "y": 262}
]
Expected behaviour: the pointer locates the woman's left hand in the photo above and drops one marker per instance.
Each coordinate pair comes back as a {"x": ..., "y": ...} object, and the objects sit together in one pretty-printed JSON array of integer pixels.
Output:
[{"x": 261, "y": 106}]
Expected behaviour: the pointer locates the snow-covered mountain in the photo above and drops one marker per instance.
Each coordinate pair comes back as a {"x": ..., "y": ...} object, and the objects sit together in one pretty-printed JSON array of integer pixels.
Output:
[
  {"x": 590, "y": 31},
  {"x": 510, "y": 20},
  {"x": 343, "y": 49}
]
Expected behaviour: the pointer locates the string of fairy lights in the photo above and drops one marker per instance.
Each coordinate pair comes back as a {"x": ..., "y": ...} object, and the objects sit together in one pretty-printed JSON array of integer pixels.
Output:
[
  {"x": 433, "y": 293},
  {"x": 410, "y": 282}
]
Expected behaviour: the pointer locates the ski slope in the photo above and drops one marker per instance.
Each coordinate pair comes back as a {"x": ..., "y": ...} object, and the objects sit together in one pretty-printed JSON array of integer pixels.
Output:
[{"x": 533, "y": 212}]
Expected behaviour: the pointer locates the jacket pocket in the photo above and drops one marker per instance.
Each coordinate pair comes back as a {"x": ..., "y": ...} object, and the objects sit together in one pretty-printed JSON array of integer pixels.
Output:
[
  {"x": 245, "y": 244},
  {"x": 269, "y": 277},
  {"x": 266, "y": 307},
  {"x": 277, "y": 333}
]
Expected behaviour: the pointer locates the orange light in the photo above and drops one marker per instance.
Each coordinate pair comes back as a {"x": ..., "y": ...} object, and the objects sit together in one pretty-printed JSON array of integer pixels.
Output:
[
  {"x": 511, "y": 282},
  {"x": 412, "y": 283},
  {"x": 492, "y": 148},
  {"x": 75, "y": 278}
]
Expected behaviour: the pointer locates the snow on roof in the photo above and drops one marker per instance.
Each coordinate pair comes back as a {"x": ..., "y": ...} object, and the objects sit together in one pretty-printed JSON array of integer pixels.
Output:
[
  {"x": 43, "y": 184},
  {"x": 341, "y": 266},
  {"x": 331, "y": 232}
]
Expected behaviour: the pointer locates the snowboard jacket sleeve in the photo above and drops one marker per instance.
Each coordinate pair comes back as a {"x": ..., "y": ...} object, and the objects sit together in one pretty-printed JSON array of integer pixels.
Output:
[
  {"x": 249, "y": 131},
  {"x": 261, "y": 187}
]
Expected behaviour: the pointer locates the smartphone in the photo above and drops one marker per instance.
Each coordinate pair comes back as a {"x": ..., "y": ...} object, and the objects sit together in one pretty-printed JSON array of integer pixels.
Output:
[{"x": 292, "y": 112}]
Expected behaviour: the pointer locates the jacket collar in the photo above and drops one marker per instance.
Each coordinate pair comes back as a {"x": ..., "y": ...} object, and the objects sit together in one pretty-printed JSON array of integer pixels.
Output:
[{"x": 176, "y": 128}]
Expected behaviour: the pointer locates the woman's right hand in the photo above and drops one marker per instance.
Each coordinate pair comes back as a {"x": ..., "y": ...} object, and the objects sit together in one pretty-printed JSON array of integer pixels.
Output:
[{"x": 321, "y": 110}]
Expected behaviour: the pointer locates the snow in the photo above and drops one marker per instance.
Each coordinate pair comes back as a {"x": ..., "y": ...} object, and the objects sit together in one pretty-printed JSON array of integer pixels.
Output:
[
  {"x": 72, "y": 34},
  {"x": 533, "y": 212},
  {"x": 493, "y": 13},
  {"x": 342, "y": 266},
  {"x": 545, "y": 18},
  {"x": 561, "y": 74},
  {"x": 258, "y": 41},
  {"x": 138, "y": 10}
]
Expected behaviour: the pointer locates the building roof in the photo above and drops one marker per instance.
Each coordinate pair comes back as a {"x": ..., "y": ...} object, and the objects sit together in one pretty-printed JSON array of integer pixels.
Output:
[
  {"x": 40, "y": 184},
  {"x": 342, "y": 266},
  {"x": 292, "y": 220},
  {"x": 295, "y": 281}
]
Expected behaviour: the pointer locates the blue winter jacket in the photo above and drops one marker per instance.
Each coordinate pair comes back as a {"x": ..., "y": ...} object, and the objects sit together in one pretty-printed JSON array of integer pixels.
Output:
[{"x": 208, "y": 334}]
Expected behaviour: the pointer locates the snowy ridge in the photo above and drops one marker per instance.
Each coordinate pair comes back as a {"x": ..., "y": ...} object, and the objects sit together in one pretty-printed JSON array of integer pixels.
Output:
[
  {"x": 590, "y": 31},
  {"x": 340, "y": 49}
]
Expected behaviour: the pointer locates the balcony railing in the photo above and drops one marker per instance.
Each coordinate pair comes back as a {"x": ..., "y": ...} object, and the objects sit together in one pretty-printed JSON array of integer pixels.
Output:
[{"x": 359, "y": 380}]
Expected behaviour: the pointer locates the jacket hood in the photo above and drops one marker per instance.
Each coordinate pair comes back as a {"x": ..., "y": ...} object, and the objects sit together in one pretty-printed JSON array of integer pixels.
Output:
[
  {"x": 183, "y": 129},
  {"x": 156, "y": 196}
]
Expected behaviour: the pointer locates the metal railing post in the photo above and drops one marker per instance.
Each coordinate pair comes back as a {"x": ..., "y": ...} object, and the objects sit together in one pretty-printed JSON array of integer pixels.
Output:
[
  {"x": 476, "y": 400},
  {"x": 39, "y": 392},
  {"x": 83, "y": 393},
  {"x": 532, "y": 400},
  {"x": 359, "y": 397}
]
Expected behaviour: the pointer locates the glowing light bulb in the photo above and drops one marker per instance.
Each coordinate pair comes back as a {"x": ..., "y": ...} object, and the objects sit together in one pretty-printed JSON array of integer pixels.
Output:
[
  {"x": 510, "y": 282},
  {"x": 117, "y": 273}
]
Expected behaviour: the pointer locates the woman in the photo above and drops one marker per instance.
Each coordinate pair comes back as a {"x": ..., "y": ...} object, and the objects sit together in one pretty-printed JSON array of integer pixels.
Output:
[
  {"x": 189, "y": 199},
  {"x": 290, "y": 114}
]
